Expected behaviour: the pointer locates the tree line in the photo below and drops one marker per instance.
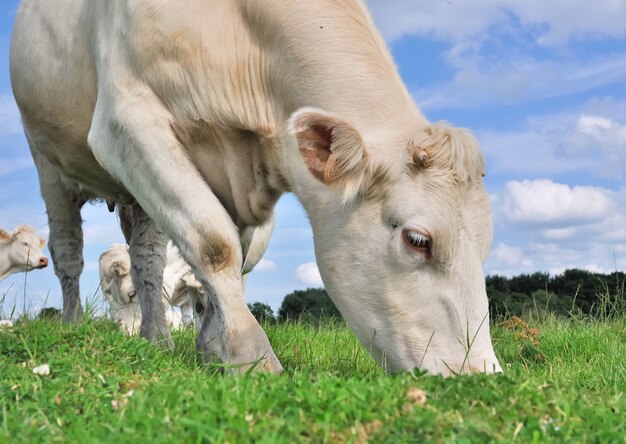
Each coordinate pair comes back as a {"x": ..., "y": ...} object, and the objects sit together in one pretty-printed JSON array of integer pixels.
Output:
[{"x": 572, "y": 293}]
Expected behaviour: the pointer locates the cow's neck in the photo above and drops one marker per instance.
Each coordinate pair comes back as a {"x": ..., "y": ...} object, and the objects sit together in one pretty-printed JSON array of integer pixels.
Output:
[
  {"x": 323, "y": 54},
  {"x": 328, "y": 54}
]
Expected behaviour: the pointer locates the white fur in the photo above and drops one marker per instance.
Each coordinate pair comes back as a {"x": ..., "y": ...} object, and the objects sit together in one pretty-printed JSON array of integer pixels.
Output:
[
  {"x": 187, "y": 111},
  {"x": 21, "y": 250}
]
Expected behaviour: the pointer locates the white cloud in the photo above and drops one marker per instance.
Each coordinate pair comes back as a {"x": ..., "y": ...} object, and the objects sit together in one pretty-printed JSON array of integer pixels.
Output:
[
  {"x": 560, "y": 233},
  {"x": 482, "y": 80},
  {"x": 597, "y": 137},
  {"x": 445, "y": 19},
  {"x": 504, "y": 254},
  {"x": 528, "y": 152},
  {"x": 309, "y": 274},
  {"x": 545, "y": 202},
  {"x": 555, "y": 258},
  {"x": 553, "y": 23},
  {"x": 594, "y": 125},
  {"x": 550, "y": 234},
  {"x": 573, "y": 19},
  {"x": 265, "y": 265},
  {"x": 591, "y": 139},
  {"x": 10, "y": 121},
  {"x": 498, "y": 47}
]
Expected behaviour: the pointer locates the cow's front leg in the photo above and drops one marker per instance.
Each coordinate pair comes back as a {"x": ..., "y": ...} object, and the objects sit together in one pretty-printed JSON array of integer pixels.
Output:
[
  {"x": 66, "y": 234},
  {"x": 147, "y": 259},
  {"x": 132, "y": 137},
  {"x": 231, "y": 335}
]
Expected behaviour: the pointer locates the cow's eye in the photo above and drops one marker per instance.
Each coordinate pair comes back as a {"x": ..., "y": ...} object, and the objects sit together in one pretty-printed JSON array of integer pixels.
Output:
[
  {"x": 416, "y": 241},
  {"x": 25, "y": 244}
]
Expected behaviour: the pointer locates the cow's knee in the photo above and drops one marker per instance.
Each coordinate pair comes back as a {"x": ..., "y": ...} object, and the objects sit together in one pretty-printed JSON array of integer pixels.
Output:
[{"x": 218, "y": 254}]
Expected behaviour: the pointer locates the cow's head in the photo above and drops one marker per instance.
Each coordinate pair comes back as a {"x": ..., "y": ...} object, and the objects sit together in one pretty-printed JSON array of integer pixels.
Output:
[
  {"x": 25, "y": 250},
  {"x": 122, "y": 297},
  {"x": 121, "y": 285},
  {"x": 401, "y": 229}
]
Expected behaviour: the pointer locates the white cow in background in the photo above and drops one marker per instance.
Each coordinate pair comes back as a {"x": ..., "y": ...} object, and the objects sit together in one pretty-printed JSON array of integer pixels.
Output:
[
  {"x": 180, "y": 288},
  {"x": 21, "y": 250},
  {"x": 200, "y": 114}
]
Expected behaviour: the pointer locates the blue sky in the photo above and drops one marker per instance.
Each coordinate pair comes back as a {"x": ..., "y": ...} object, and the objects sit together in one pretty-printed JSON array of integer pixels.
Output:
[{"x": 541, "y": 84}]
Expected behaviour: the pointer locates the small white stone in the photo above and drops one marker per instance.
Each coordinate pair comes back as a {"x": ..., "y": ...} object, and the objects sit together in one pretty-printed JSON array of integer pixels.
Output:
[
  {"x": 42, "y": 370},
  {"x": 115, "y": 404}
]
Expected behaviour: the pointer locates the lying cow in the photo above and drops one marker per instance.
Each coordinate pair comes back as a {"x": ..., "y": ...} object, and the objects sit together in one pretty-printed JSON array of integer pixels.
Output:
[
  {"x": 198, "y": 117},
  {"x": 180, "y": 288},
  {"x": 21, "y": 250}
]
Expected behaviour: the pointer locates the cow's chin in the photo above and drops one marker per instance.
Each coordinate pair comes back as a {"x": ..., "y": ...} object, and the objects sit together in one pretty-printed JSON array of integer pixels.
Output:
[
  {"x": 402, "y": 345},
  {"x": 477, "y": 361},
  {"x": 473, "y": 363}
]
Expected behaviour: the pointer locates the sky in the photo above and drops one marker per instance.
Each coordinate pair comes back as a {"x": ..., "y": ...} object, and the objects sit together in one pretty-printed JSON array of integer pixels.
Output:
[{"x": 542, "y": 85}]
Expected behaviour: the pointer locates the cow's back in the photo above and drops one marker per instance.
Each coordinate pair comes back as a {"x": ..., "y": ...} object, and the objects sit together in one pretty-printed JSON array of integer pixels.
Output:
[
  {"x": 54, "y": 82},
  {"x": 68, "y": 57}
]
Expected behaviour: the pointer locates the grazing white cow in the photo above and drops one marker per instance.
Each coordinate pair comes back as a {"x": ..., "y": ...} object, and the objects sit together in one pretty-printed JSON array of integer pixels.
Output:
[
  {"x": 199, "y": 115},
  {"x": 180, "y": 288},
  {"x": 20, "y": 250},
  {"x": 117, "y": 287}
]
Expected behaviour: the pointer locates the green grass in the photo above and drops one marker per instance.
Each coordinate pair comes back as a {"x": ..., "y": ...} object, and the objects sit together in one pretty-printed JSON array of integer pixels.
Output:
[{"x": 563, "y": 382}]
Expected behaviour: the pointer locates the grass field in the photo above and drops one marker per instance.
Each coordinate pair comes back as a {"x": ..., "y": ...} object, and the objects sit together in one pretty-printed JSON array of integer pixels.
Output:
[{"x": 564, "y": 382}]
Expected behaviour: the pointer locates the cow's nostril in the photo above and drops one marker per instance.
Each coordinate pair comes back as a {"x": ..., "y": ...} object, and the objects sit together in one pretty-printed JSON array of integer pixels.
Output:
[
  {"x": 43, "y": 262},
  {"x": 132, "y": 294}
]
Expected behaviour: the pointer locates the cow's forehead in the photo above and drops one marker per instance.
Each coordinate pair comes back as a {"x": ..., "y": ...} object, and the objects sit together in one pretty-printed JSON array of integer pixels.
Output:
[{"x": 25, "y": 236}]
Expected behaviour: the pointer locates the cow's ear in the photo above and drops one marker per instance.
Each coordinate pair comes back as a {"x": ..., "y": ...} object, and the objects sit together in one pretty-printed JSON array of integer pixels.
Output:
[
  {"x": 4, "y": 234},
  {"x": 332, "y": 150},
  {"x": 42, "y": 242},
  {"x": 190, "y": 281},
  {"x": 119, "y": 268}
]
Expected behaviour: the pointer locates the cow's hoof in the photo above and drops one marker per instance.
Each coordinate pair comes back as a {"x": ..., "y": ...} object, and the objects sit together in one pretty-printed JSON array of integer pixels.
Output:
[
  {"x": 73, "y": 316},
  {"x": 262, "y": 365}
]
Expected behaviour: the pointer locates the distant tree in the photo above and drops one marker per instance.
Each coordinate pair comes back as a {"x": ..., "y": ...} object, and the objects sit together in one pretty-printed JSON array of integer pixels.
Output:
[
  {"x": 574, "y": 291},
  {"x": 529, "y": 283},
  {"x": 582, "y": 284},
  {"x": 498, "y": 303},
  {"x": 497, "y": 284},
  {"x": 262, "y": 312},
  {"x": 311, "y": 304}
]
